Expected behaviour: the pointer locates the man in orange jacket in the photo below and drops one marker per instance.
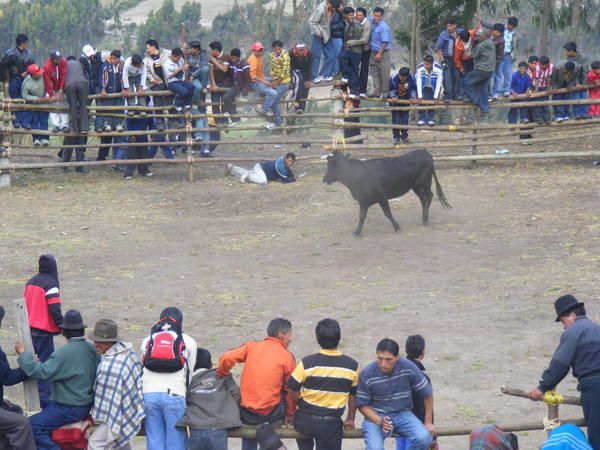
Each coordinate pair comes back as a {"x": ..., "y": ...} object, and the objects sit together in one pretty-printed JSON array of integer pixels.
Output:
[
  {"x": 267, "y": 366},
  {"x": 462, "y": 57}
]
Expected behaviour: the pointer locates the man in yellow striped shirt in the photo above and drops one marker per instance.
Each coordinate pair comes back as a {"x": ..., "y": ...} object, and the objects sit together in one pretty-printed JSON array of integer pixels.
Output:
[{"x": 323, "y": 383}]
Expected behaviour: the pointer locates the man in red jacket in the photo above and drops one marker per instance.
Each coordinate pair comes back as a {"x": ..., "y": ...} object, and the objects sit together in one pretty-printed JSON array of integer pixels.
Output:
[
  {"x": 42, "y": 298},
  {"x": 55, "y": 75}
]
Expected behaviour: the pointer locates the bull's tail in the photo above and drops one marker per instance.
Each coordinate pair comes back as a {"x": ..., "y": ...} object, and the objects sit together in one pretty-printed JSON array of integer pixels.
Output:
[{"x": 440, "y": 193}]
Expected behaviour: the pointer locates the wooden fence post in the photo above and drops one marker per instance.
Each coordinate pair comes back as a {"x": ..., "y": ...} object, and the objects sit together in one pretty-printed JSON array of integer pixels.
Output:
[
  {"x": 190, "y": 144},
  {"x": 337, "y": 107},
  {"x": 30, "y": 386},
  {"x": 475, "y": 131},
  {"x": 5, "y": 148}
]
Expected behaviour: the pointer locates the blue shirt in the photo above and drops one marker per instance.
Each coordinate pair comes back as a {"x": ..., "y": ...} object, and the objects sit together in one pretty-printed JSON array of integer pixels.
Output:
[
  {"x": 277, "y": 170},
  {"x": 445, "y": 43},
  {"x": 380, "y": 32},
  {"x": 391, "y": 392},
  {"x": 520, "y": 83}
]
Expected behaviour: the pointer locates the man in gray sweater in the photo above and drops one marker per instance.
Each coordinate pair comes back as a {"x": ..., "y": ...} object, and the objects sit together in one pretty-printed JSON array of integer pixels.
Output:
[
  {"x": 477, "y": 81},
  {"x": 351, "y": 52}
]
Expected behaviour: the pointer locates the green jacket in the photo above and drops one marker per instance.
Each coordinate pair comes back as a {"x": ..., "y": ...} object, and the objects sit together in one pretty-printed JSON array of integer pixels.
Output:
[
  {"x": 71, "y": 369},
  {"x": 32, "y": 88}
]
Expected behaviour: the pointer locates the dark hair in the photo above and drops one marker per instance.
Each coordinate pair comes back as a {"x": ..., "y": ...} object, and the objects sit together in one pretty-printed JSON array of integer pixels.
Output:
[
  {"x": 236, "y": 52},
  {"x": 544, "y": 59},
  {"x": 279, "y": 325},
  {"x": 415, "y": 346},
  {"x": 499, "y": 27},
  {"x": 177, "y": 52},
  {"x": 362, "y": 10},
  {"x": 512, "y": 20},
  {"x": 216, "y": 45},
  {"x": 404, "y": 72},
  {"x": 116, "y": 54},
  {"x": 21, "y": 39},
  {"x": 335, "y": 3},
  {"x": 291, "y": 155},
  {"x": 378, "y": 9},
  {"x": 71, "y": 58},
  {"x": 328, "y": 334},
  {"x": 174, "y": 312},
  {"x": 580, "y": 311},
  {"x": 464, "y": 35},
  {"x": 195, "y": 44},
  {"x": 451, "y": 21},
  {"x": 203, "y": 359},
  {"x": 388, "y": 345},
  {"x": 570, "y": 46},
  {"x": 136, "y": 60},
  {"x": 73, "y": 333},
  {"x": 523, "y": 64},
  {"x": 533, "y": 59},
  {"x": 570, "y": 65},
  {"x": 348, "y": 10},
  {"x": 153, "y": 43},
  {"x": 428, "y": 58},
  {"x": 595, "y": 65},
  {"x": 277, "y": 43}
]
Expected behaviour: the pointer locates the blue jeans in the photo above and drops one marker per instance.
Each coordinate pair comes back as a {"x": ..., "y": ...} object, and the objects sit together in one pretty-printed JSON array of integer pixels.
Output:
[
  {"x": 53, "y": 416},
  {"x": 43, "y": 347},
  {"x": 210, "y": 439},
  {"x": 503, "y": 76},
  {"x": 428, "y": 114},
  {"x": 14, "y": 90},
  {"x": 335, "y": 47},
  {"x": 580, "y": 111},
  {"x": 317, "y": 49},
  {"x": 281, "y": 90},
  {"x": 163, "y": 411},
  {"x": 405, "y": 424},
  {"x": 451, "y": 79},
  {"x": 350, "y": 62},
  {"x": 562, "y": 111},
  {"x": 271, "y": 96},
  {"x": 476, "y": 88},
  {"x": 109, "y": 120},
  {"x": 37, "y": 120},
  {"x": 518, "y": 113},
  {"x": 400, "y": 118},
  {"x": 184, "y": 91},
  {"x": 590, "y": 402}
]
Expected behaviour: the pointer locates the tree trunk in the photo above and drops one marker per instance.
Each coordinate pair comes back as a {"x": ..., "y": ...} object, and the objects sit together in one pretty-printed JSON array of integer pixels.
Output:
[
  {"x": 258, "y": 26},
  {"x": 575, "y": 20},
  {"x": 545, "y": 13},
  {"x": 414, "y": 42}
]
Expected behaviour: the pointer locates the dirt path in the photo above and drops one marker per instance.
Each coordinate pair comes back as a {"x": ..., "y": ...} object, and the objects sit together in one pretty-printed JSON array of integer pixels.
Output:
[{"x": 478, "y": 283}]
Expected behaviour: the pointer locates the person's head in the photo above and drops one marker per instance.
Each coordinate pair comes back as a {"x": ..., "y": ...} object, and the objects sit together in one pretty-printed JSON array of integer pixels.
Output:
[
  {"x": 464, "y": 36},
  {"x": 185, "y": 48},
  {"x": 114, "y": 57},
  {"x": 137, "y": 61},
  {"x": 568, "y": 308},
  {"x": 415, "y": 347},
  {"x": 174, "y": 313},
  {"x": 281, "y": 329},
  {"x": 544, "y": 61},
  {"x": 497, "y": 30},
  {"x": 236, "y": 55},
  {"x": 451, "y": 25},
  {"x": 388, "y": 353},
  {"x": 328, "y": 334},
  {"x": 533, "y": 60},
  {"x": 72, "y": 325},
  {"x": 203, "y": 359},
  {"x": 522, "y": 68},
  {"x": 289, "y": 159},
  {"x": 428, "y": 62},
  {"x": 360, "y": 14},
  {"x": 195, "y": 48},
  {"x": 258, "y": 49},
  {"x": 88, "y": 51},
  {"x": 55, "y": 57},
  {"x": 215, "y": 48},
  {"x": 570, "y": 49},
  {"x": 569, "y": 66},
  {"x": 301, "y": 48},
  {"x": 176, "y": 54},
  {"x": 152, "y": 47},
  {"x": 512, "y": 23},
  {"x": 35, "y": 72},
  {"x": 277, "y": 46},
  {"x": 403, "y": 74},
  {"x": 378, "y": 13},
  {"x": 482, "y": 34},
  {"x": 104, "y": 335},
  {"x": 349, "y": 14},
  {"x": 334, "y": 4},
  {"x": 595, "y": 66},
  {"x": 22, "y": 41}
]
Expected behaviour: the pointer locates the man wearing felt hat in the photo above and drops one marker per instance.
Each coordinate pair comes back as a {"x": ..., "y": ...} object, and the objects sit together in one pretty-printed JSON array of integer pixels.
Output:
[
  {"x": 119, "y": 403},
  {"x": 72, "y": 371},
  {"x": 579, "y": 349}
]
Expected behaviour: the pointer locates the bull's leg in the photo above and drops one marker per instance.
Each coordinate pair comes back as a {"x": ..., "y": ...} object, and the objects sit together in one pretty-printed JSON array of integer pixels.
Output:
[
  {"x": 362, "y": 215},
  {"x": 385, "y": 206},
  {"x": 425, "y": 195}
]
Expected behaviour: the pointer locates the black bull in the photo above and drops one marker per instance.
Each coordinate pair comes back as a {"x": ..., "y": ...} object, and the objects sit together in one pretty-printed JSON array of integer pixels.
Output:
[{"x": 381, "y": 179}]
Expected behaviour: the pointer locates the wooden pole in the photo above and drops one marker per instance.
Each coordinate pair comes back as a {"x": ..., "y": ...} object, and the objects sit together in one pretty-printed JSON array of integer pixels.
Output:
[
  {"x": 475, "y": 131},
  {"x": 567, "y": 399},
  {"x": 5, "y": 180},
  {"x": 30, "y": 386},
  {"x": 190, "y": 147}
]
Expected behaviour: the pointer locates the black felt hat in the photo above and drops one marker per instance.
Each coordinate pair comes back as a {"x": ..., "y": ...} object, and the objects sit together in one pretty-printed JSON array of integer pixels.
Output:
[
  {"x": 73, "y": 321},
  {"x": 565, "y": 304}
]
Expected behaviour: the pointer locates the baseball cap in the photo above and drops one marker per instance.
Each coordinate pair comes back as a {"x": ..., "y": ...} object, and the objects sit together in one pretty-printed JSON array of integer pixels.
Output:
[
  {"x": 88, "y": 50},
  {"x": 257, "y": 47},
  {"x": 34, "y": 69},
  {"x": 56, "y": 54},
  {"x": 300, "y": 44}
]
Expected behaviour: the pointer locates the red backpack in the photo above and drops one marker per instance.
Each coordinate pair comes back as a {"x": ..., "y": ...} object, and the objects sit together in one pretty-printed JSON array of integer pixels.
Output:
[{"x": 165, "y": 350}]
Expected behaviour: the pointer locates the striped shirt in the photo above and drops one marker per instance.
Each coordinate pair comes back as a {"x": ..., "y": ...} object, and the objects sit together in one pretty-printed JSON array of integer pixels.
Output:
[
  {"x": 391, "y": 392},
  {"x": 542, "y": 76},
  {"x": 325, "y": 380}
]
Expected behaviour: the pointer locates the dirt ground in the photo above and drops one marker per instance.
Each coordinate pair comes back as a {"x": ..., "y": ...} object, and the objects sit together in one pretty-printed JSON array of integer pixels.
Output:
[{"x": 478, "y": 282}]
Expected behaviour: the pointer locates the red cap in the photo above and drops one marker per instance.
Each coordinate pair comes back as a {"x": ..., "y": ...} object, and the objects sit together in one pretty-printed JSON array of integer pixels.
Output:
[
  {"x": 257, "y": 47},
  {"x": 34, "y": 69}
]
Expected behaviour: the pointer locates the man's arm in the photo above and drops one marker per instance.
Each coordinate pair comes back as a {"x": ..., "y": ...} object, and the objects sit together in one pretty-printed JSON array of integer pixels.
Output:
[
  {"x": 313, "y": 23},
  {"x": 125, "y": 75},
  {"x": 439, "y": 84},
  {"x": 230, "y": 359},
  {"x": 8, "y": 376},
  {"x": 428, "y": 419},
  {"x": 351, "y": 417},
  {"x": 222, "y": 66},
  {"x": 370, "y": 414},
  {"x": 36, "y": 369},
  {"x": 48, "y": 82}
]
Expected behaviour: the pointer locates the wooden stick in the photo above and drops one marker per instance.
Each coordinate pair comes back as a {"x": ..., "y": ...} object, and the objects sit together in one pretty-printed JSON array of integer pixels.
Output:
[
  {"x": 567, "y": 399},
  {"x": 30, "y": 385}
]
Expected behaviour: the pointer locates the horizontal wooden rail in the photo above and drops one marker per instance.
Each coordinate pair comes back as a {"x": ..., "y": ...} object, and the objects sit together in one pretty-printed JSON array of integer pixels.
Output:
[{"x": 567, "y": 399}]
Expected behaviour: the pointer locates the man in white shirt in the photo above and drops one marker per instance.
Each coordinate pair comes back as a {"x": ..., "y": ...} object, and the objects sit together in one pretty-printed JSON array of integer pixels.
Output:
[
  {"x": 175, "y": 69},
  {"x": 134, "y": 75}
]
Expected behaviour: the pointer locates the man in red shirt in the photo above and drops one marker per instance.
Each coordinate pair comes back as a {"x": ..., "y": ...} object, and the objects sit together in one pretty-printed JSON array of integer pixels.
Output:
[{"x": 55, "y": 75}]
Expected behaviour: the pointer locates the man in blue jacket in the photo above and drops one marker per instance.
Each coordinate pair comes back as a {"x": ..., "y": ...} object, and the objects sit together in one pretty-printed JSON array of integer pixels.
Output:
[
  {"x": 402, "y": 87},
  {"x": 276, "y": 170}
]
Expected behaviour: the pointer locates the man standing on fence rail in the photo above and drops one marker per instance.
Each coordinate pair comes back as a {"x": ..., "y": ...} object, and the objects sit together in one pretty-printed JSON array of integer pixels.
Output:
[
  {"x": 477, "y": 81},
  {"x": 55, "y": 75},
  {"x": 579, "y": 349}
]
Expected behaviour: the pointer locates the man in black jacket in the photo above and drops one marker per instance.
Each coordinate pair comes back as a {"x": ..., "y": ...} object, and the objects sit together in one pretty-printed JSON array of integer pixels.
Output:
[
  {"x": 301, "y": 63},
  {"x": 13, "y": 68}
]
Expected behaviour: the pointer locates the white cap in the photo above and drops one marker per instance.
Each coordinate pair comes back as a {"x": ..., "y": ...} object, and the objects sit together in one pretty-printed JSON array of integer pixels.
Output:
[{"x": 88, "y": 50}]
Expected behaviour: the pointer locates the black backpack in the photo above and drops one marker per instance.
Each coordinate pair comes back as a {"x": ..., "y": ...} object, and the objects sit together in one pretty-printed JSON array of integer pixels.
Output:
[{"x": 165, "y": 350}]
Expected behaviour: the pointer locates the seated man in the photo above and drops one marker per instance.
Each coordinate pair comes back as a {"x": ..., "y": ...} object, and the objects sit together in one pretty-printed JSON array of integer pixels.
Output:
[
  {"x": 384, "y": 397},
  {"x": 491, "y": 436},
  {"x": 72, "y": 371},
  {"x": 261, "y": 85},
  {"x": 278, "y": 169},
  {"x": 15, "y": 430}
]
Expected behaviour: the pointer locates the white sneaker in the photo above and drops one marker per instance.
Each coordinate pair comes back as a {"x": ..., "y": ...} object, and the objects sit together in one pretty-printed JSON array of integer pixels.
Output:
[
  {"x": 45, "y": 142},
  {"x": 344, "y": 80},
  {"x": 107, "y": 128},
  {"x": 270, "y": 126},
  {"x": 363, "y": 95},
  {"x": 36, "y": 143},
  {"x": 352, "y": 96},
  {"x": 431, "y": 123},
  {"x": 421, "y": 123},
  {"x": 149, "y": 174},
  {"x": 327, "y": 78},
  {"x": 318, "y": 80},
  {"x": 559, "y": 119},
  {"x": 119, "y": 128}
]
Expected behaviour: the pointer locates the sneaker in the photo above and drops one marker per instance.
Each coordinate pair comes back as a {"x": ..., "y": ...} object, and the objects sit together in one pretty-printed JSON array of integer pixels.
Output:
[
  {"x": 178, "y": 108},
  {"x": 327, "y": 79},
  {"x": 421, "y": 123},
  {"x": 205, "y": 153},
  {"x": 270, "y": 126},
  {"x": 507, "y": 94},
  {"x": 54, "y": 130},
  {"x": 317, "y": 80},
  {"x": 36, "y": 143},
  {"x": 266, "y": 113},
  {"x": 362, "y": 95},
  {"x": 128, "y": 177},
  {"x": 198, "y": 138},
  {"x": 566, "y": 118},
  {"x": 28, "y": 127},
  {"x": 227, "y": 115},
  {"x": 396, "y": 140},
  {"x": 45, "y": 142},
  {"x": 148, "y": 174},
  {"x": 431, "y": 123},
  {"x": 344, "y": 81},
  {"x": 117, "y": 168},
  {"x": 525, "y": 121},
  {"x": 107, "y": 128},
  {"x": 558, "y": 119},
  {"x": 405, "y": 139},
  {"x": 232, "y": 123},
  {"x": 119, "y": 128},
  {"x": 299, "y": 111},
  {"x": 228, "y": 169},
  {"x": 65, "y": 129},
  {"x": 352, "y": 96}
]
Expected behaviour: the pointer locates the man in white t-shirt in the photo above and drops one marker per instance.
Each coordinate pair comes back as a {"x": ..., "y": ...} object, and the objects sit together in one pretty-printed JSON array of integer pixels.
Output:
[
  {"x": 175, "y": 69},
  {"x": 134, "y": 76}
]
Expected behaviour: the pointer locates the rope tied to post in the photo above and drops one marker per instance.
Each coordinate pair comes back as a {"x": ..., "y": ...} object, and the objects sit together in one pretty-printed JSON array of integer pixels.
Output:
[{"x": 552, "y": 398}]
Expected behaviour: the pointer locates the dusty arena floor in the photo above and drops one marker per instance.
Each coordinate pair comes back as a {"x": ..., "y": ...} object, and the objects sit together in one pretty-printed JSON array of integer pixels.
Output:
[{"x": 478, "y": 282}]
